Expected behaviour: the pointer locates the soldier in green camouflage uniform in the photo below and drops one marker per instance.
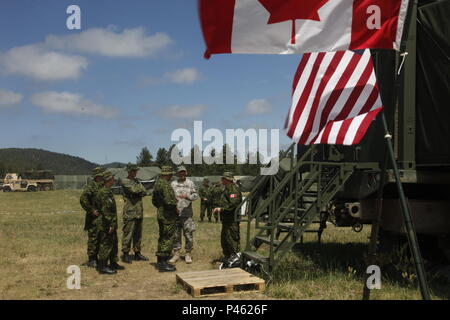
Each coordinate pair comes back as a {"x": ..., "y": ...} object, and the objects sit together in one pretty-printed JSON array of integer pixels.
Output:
[
  {"x": 164, "y": 200},
  {"x": 229, "y": 201},
  {"x": 92, "y": 222},
  {"x": 206, "y": 201},
  {"x": 133, "y": 214},
  {"x": 216, "y": 193},
  {"x": 108, "y": 235}
]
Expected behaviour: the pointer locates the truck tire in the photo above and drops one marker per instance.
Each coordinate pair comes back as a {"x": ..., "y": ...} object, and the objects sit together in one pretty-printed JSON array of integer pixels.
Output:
[
  {"x": 31, "y": 189},
  {"x": 6, "y": 189}
]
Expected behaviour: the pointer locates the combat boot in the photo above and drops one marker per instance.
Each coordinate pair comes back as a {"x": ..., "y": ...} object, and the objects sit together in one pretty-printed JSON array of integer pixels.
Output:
[
  {"x": 92, "y": 263},
  {"x": 163, "y": 266},
  {"x": 188, "y": 258},
  {"x": 115, "y": 266},
  {"x": 139, "y": 257},
  {"x": 175, "y": 257},
  {"x": 104, "y": 269},
  {"x": 126, "y": 258}
]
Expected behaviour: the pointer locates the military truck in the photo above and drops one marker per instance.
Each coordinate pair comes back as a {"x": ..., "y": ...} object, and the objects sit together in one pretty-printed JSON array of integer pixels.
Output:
[
  {"x": 316, "y": 184},
  {"x": 30, "y": 181}
]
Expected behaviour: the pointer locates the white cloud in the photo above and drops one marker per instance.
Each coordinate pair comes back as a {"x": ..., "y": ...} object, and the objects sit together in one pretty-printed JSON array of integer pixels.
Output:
[
  {"x": 107, "y": 42},
  {"x": 38, "y": 63},
  {"x": 8, "y": 98},
  {"x": 258, "y": 106},
  {"x": 183, "y": 76},
  {"x": 71, "y": 103},
  {"x": 182, "y": 112}
]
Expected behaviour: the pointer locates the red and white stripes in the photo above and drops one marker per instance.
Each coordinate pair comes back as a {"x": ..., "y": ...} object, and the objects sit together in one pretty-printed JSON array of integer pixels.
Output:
[{"x": 335, "y": 98}]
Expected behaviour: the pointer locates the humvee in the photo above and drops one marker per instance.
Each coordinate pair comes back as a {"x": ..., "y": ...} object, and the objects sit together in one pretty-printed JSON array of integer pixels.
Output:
[{"x": 20, "y": 182}]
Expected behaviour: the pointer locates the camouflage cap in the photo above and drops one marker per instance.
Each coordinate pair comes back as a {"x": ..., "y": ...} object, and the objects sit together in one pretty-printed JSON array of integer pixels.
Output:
[
  {"x": 181, "y": 168},
  {"x": 228, "y": 175},
  {"x": 167, "y": 170},
  {"x": 107, "y": 176},
  {"x": 98, "y": 171},
  {"x": 132, "y": 167}
]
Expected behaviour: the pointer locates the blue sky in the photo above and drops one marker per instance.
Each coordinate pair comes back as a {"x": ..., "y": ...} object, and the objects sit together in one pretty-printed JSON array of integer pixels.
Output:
[{"x": 132, "y": 74}]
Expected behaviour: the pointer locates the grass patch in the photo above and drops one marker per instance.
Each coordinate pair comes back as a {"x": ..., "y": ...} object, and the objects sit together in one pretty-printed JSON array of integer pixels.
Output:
[{"x": 41, "y": 235}]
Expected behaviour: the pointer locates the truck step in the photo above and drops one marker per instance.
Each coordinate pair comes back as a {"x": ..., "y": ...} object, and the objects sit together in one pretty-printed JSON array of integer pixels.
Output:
[
  {"x": 250, "y": 255},
  {"x": 266, "y": 240}
]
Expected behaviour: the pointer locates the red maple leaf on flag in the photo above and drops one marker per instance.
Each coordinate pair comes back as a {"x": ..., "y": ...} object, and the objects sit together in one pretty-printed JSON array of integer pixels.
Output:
[{"x": 284, "y": 10}]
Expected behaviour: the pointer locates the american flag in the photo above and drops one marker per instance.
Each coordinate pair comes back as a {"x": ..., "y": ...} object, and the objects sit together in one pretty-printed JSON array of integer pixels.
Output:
[{"x": 335, "y": 98}]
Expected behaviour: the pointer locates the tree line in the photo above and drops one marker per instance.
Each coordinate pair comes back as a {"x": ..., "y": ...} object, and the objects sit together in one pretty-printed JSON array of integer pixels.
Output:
[{"x": 240, "y": 166}]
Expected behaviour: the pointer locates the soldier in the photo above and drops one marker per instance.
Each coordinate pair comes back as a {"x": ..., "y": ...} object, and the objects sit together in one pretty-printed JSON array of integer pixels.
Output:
[
  {"x": 108, "y": 235},
  {"x": 165, "y": 201},
  {"x": 216, "y": 193},
  {"x": 185, "y": 192},
  {"x": 206, "y": 202},
  {"x": 92, "y": 223},
  {"x": 229, "y": 201},
  {"x": 133, "y": 214}
]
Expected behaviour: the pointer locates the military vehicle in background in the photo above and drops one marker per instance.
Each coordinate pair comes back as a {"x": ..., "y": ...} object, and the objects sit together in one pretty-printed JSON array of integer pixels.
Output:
[{"x": 29, "y": 181}]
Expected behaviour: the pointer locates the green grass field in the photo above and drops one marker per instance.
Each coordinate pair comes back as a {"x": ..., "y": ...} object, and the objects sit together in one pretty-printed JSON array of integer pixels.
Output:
[{"x": 41, "y": 235}]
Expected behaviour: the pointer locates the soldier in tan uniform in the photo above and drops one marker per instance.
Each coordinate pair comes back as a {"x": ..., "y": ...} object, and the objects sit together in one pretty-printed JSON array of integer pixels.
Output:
[{"x": 185, "y": 192}]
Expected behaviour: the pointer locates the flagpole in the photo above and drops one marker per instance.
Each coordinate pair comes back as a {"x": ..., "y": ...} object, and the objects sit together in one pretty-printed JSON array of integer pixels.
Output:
[{"x": 407, "y": 218}]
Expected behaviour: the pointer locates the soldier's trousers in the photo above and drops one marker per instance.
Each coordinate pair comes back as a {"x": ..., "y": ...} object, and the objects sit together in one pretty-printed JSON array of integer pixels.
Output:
[
  {"x": 185, "y": 226},
  {"x": 166, "y": 222},
  {"x": 93, "y": 242},
  {"x": 132, "y": 235},
  {"x": 108, "y": 246},
  {"x": 205, "y": 207},
  {"x": 230, "y": 238}
]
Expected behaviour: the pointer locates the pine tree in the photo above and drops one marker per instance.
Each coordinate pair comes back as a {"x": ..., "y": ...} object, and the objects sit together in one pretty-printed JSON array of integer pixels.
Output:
[
  {"x": 162, "y": 157},
  {"x": 145, "y": 158}
]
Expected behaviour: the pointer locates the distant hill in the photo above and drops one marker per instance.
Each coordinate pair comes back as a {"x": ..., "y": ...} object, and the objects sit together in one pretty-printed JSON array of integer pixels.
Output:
[
  {"x": 17, "y": 160},
  {"x": 114, "y": 165}
]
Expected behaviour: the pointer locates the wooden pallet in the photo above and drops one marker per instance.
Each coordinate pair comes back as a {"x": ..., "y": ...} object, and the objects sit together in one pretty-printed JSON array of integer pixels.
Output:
[{"x": 219, "y": 282}]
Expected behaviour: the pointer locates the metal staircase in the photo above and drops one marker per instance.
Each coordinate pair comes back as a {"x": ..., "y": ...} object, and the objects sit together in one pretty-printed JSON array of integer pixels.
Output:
[{"x": 282, "y": 208}]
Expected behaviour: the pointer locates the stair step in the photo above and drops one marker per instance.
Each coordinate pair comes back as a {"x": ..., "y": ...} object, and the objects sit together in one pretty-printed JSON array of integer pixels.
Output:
[
  {"x": 250, "y": 255},
  {"x": 285, "y": 226},
  {"x": 266, "y": 240}
]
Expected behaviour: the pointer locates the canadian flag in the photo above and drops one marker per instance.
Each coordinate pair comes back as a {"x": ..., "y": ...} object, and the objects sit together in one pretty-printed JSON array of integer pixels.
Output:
[{"x": 300, "y": 26}]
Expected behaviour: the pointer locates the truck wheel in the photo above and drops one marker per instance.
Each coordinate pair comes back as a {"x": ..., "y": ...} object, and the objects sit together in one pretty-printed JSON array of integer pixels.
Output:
[
  {"x": 6, "y": 189},
  {"x": 31, "y": 189}
]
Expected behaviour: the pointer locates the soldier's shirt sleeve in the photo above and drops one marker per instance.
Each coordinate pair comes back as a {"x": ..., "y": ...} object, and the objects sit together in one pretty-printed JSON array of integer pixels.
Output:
[
  {"x": 168, "y": 195},
  {"x": 201, "y": 192},
  {"x": 132, "y": 188},
  {"x": 86, "y": 199},
  {"x": 231, "y": 199},
  {"x": 109, "y": 209}
]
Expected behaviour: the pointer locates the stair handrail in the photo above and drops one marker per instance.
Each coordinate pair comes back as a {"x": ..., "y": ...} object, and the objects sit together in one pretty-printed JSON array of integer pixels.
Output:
[
  {"x": 284, "y": 181},
  {"x": 262, "y": 181}
]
